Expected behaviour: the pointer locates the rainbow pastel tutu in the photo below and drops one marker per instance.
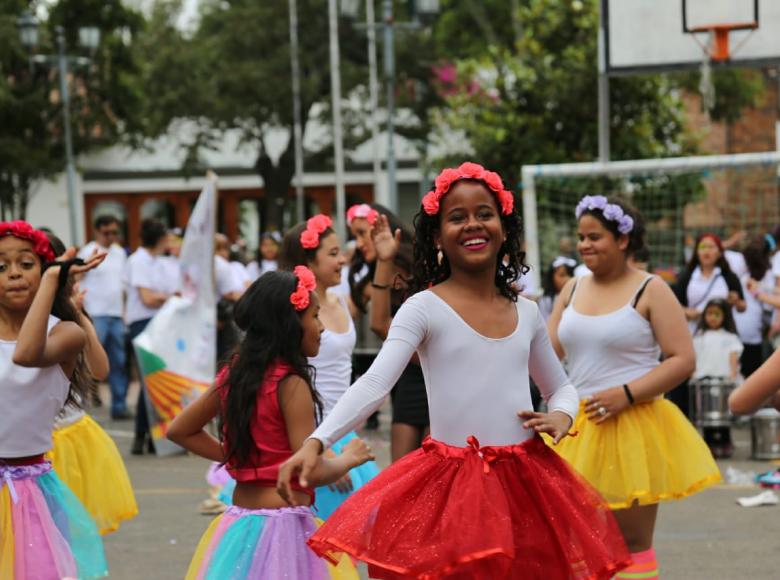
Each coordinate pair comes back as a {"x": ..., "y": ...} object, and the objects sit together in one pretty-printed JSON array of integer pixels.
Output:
[
  {"x": 327, "y": 499},
  {"x": 87, "y": 461},
  {"x": 45, "y": 532},
  {"x": 264, "y": 543}
]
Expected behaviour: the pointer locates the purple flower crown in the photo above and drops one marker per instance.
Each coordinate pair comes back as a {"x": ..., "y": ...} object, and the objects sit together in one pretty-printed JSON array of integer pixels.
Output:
[{"x": 610, "y": 211}]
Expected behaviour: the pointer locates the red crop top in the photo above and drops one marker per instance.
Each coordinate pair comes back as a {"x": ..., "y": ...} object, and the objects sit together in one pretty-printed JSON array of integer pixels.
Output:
[{"x": 269, "y": 433}]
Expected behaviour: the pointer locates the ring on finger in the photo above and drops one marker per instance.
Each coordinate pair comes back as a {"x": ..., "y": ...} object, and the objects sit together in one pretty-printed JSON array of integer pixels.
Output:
[{"x": 602, "y": 410}]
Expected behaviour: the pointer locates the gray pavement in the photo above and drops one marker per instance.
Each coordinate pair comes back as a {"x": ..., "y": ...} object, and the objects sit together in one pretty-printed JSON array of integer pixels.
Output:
[{"x": 707, "y": 536}]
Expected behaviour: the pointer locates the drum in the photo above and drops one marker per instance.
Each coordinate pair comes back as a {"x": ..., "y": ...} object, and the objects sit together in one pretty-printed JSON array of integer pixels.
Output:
[
  {"x": 765, "y": 434},
  {"x": 710, "y": 401}
]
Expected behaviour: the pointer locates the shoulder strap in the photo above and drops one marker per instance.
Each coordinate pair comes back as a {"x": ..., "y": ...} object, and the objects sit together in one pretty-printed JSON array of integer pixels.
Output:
[
  {"x": 570, "y": 300},
  {"x": 640, "y": 291},
  {"x": 706, "y": 294}
]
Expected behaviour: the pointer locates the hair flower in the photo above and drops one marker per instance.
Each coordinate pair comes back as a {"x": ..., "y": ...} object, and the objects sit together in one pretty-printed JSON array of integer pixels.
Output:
[
  {"x": 468, "y": 170},
  {"x": 24, "y": 231},
  {"x": 611, "y": 212},
  {"x": 301, "y": 298},
  {"x": 362, "y": 211},
  {"x": 315, "y": 226}
]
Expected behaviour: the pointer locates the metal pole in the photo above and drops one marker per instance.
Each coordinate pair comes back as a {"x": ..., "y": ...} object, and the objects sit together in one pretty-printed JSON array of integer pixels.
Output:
[
  {"x": 603, "y": 89},
  {"x": 531, "y": 226},
  {"x": 392, "y": 188},
  {"x": 373, "y": 91},
  {"x": 70, "y": 169},
  {"x": 297, "y": 129},
  {"x": 338, "y": 145}
]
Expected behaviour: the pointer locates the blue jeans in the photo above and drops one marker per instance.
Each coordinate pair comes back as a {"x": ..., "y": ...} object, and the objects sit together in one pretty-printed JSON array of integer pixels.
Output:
[{"x": 111, "y": 334}]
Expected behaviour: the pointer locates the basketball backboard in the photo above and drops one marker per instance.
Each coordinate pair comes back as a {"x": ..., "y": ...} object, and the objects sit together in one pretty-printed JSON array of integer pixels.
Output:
[{"x": 660, "y": 35}]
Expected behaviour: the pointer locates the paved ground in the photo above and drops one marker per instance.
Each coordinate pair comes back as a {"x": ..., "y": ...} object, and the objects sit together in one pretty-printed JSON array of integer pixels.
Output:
[{"x": 707, "y": 536}]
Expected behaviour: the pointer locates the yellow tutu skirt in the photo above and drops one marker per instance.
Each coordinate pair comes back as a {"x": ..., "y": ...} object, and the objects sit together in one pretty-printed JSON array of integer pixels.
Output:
[
  {"x": 87, "y": 461},
  {"x": 646, "y": 454}
]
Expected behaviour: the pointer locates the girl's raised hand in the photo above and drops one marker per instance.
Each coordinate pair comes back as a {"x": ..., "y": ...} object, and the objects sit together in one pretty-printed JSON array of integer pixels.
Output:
[
  {"x": 555, "y": 424},
  {"x": 301, "y": 464},
  {"x": 358, "y": 452},
  {"x": 386, "y": 243}
]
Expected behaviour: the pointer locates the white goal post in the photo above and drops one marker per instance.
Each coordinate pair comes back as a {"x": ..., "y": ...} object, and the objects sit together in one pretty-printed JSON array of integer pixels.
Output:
[{"x": 531, "y": 174}]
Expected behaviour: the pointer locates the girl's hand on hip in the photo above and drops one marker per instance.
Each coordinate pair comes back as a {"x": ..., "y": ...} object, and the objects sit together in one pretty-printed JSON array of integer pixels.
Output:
[
  {"x": 555, "y": 424},
  {"x": 606, "y": 404}
]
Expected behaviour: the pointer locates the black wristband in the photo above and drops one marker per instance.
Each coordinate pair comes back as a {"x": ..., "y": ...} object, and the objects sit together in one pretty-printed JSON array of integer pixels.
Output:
[
  {"x": 629, "y": 395},
  {"x": 380, "y": 286}
]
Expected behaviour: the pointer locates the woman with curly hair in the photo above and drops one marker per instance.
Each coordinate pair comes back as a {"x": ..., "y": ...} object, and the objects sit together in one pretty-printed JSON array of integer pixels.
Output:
[{"x": 483, "y": 496}]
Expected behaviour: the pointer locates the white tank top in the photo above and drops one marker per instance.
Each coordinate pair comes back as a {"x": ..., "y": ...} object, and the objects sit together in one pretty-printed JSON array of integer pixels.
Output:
[
  {"x": 334, "y": 363},
  {"x": 31, "y": 399},
  {"x": 608, "y": 350}
]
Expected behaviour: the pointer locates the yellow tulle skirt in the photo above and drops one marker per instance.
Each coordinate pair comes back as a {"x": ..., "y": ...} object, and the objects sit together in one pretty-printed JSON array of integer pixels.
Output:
[
  {"x": 646, "y": 454},
  {"x": 87, "y": 460}
]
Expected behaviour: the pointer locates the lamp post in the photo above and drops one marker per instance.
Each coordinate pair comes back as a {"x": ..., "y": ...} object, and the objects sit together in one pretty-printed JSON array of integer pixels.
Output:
[
  {"x": 89, "y": 37},
  {"x": 388, "y": 25}
]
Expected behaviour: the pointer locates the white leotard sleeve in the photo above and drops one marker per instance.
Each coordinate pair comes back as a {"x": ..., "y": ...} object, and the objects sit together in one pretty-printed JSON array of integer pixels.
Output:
[
  {"x": 407, "y": 331},
  {"x": 546, "y": 371}
]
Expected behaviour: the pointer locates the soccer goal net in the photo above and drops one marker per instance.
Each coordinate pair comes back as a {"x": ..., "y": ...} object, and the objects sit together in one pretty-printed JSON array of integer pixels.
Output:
[{"x": 678, "y": 197}]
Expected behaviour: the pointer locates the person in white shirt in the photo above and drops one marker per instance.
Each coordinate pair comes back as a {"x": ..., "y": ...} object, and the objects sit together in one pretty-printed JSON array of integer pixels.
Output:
[
  {"x": 146, "y": 293},
  {"x": 718, "y": 349},
  {"x": 266, "y": 255},
  {"x": 229, "y": 290},
  {"x": 104, "y": 302}
]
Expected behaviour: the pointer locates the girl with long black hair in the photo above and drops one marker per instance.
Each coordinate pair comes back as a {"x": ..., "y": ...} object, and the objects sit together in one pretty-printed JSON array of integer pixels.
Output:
[{"x": 266, "y": 405}]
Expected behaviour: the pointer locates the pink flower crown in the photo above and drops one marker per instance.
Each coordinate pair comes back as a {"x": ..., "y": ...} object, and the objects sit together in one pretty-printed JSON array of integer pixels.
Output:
[
  {"x": 468, "y": 170},
  {"x": 310, "y": 237},
  {"x": 301, "y": 298},
  {"x": 24, "y": 231},
  {"x": 362, "y": 211}
]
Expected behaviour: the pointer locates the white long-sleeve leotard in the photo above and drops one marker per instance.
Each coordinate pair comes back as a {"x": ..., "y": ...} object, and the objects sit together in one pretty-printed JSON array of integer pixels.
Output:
[{"x": 475, "y": 384}]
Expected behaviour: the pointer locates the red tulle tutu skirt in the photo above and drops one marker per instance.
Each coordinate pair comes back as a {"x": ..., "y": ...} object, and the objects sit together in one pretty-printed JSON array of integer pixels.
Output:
[{"x": 515, "y": 512}]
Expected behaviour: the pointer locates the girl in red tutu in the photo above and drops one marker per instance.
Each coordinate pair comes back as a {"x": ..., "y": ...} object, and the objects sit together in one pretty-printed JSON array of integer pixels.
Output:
[{"x": 484, "y": 497}]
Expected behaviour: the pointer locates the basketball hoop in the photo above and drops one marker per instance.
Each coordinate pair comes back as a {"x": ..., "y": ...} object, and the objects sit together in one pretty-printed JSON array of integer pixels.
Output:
[{"x": 718, "y": 48}]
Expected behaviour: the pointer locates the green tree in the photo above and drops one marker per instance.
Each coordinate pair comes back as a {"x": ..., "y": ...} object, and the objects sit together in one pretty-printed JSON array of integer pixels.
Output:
[
  {"x": 106, "y": 97},
  {"x": 233, "y": 73}
]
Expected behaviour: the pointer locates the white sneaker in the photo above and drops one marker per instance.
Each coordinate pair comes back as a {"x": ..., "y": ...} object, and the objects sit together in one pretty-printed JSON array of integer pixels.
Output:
[{"x": 767, "y": 497}]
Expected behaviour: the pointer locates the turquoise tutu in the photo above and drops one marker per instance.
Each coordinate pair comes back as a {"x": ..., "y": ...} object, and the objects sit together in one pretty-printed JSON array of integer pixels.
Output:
[{"x": 327, "y": 500}]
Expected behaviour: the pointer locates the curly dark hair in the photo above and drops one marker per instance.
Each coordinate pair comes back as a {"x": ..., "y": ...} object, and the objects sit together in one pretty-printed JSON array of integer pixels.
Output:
[
  {"x": 429, "y": 270},
  {"x": 636, "y": 237},
  {"x": 404, "y": 259},
  {"x": 273, "y": 332},
  {"x": 758, "y": 255},
  {"x": 81, "y": 381}
]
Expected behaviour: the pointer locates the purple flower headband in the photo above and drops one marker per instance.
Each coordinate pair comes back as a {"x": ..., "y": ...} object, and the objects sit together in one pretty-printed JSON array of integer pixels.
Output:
[{"x": 611, "y": 211}]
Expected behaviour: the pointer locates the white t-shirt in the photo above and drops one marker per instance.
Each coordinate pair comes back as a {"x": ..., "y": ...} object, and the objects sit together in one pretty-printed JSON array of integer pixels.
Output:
[
  {"x": 736, "y": 262},
  {"x": 701, "y": 290},
  {"x": 226, "y": 279},
  {"x": 776, "y": 264},
  {"x": 170, "y": 273},
  {"x": 475, "y": 384},
  {"x": 256, "y": 270},
  {"x": 241, "y": 273},
  {"x": 141, "y": 271},
  {"x": 581, "y": 270},
  {"x": 104, "y": 284},
  {"x": 750, "y": 323},
  {"x": 713, "y": 349}
]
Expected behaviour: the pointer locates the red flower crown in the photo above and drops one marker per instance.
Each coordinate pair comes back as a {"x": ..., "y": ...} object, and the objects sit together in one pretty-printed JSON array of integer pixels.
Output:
[
  {"x": 310, "y": 237},
  {"x": 301, "y": 298},
  {"x": 362, "y": 211},
  {"x": 24, "y": 231},
  {"x": 468, "y": 170}
]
